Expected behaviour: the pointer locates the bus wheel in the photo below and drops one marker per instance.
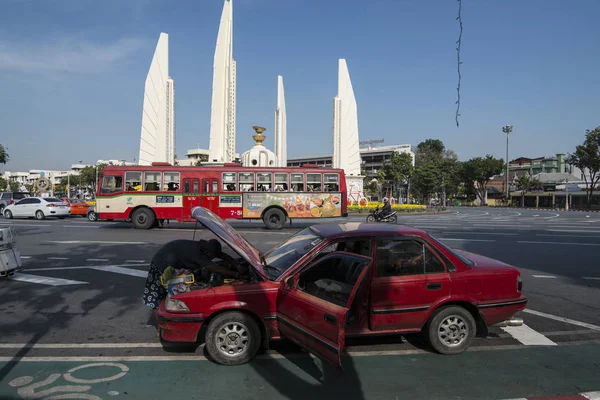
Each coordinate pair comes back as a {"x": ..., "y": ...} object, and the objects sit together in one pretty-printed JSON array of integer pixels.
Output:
[
  {"x": 143, "y": 218},
  {"x": 274, "y": 218}
]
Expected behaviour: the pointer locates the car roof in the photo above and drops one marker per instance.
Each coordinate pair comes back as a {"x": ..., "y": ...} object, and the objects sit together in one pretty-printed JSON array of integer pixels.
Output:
[{"x": 333, "y": 231}]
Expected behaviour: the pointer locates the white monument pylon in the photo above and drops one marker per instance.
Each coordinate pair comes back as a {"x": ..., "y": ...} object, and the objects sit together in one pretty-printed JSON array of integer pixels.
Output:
[
  {"x": 346, "y": 151},
  {"x": 157, "y": 139},
  {"x": 222, "y": 117},
  {"x": 280, "y": 126}
]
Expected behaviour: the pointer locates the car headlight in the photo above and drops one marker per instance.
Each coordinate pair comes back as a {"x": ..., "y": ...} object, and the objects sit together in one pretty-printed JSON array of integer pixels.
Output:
[{"x": 175, "y": 305}]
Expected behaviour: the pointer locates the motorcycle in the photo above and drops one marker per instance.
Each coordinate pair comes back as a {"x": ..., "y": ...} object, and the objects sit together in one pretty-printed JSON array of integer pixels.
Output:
[{"x": 376, "y": 216}]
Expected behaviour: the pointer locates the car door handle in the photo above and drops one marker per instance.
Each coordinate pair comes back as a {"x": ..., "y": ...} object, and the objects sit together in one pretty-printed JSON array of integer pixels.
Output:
[
  {"x": 330, "y": 319},
  {"x": 434, "y": 286}
]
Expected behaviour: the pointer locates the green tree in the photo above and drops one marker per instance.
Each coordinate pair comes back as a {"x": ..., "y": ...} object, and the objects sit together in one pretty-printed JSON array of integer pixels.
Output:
[
  {"x": 4, "y": 157},
  {"x": 399, "y": 168},
  {"x": 3, "y": 184},
  {"x": 476, "y": 174},
  {"x": 525, "y": 183},
  {"x": 587, "y": 158},
  {"x": 425, "y": 181},
  {"x": 14, "y": 186}
]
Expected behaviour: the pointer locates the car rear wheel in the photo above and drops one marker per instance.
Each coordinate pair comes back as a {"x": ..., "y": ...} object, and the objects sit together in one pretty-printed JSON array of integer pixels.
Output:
[
  {"x": 92, "y": 216},
  {"x": 8, "y": 214},
  {"x": 451, "y": 330},
  {"x": 39, "y": 214},
  {"x": 274, "y": 218},
  {"x": 233, "y": 338}
]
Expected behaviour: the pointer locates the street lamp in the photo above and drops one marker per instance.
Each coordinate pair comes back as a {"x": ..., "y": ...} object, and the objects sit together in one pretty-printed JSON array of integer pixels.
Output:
[{"x": 507, "y": 129}]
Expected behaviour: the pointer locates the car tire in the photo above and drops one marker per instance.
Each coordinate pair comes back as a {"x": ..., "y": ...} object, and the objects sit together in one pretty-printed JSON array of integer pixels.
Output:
[
  {"x": 274, "y": 219},
  {"x": 8, "y": 214},
  {"x": 371, "y": 218},
  {"x": 232, "y": 338},
  {"x": 92, "y": 216},
  {"x": 39, "y": 214},
  {"x": 143, "y": 218},
  {"x": 451, "y": 330}
]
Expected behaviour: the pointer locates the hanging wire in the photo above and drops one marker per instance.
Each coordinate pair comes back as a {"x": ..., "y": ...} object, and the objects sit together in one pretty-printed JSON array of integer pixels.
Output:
[{"x": 459, "y": 42}]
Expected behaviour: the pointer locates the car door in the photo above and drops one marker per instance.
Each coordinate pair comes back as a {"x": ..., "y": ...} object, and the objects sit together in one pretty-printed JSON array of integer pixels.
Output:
[
  {"x": 405, "y": 284},
  {"x": 314, "y": 305},
  {"x": 21, "y": 207}
]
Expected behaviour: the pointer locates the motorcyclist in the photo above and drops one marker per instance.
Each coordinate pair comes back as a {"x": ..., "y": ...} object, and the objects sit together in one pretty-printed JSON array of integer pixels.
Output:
[{"x": 387, "y": 208}]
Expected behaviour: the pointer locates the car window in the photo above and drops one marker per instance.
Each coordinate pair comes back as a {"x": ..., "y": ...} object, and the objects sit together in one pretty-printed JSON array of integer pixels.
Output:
[
  {"x": 360, "y": 247},
  {"x": 399, "y": 258},
  {"x": 34, "y": 201},
  {"x": 285, "y": 255},
  {"x": 462, "y": 258},
  {"x": 23, "y": 202},
  {"x": 53, "y": 200},
  {"x": 331, "y": 279},
  {"x": 5, "y": 196},
  {"x": 433, "y": 264}
]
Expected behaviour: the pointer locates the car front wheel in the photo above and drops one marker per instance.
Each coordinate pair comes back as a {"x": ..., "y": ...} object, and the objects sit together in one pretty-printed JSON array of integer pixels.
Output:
[
  {"x": 8, "y": 214},
  {"x": 232, "y": 338},
  {"x": 451, "y": 330}
]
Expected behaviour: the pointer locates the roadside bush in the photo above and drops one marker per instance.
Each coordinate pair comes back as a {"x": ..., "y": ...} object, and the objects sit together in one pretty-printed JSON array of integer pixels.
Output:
[{"x": 395, "y": 207}]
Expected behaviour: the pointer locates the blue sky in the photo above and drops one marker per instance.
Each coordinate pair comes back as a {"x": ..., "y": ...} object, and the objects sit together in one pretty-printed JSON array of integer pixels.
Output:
[{"x": 72, "y": 73}]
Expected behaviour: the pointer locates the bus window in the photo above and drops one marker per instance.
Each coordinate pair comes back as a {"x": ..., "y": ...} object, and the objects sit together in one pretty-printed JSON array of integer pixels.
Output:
[
  {"x": 229, "y": 182},
  {"x": 133, "y": 181},
  {"x": 263, "y": 181},
  {"x": 297, "y": 182},
  {"x": 171, "y": 182},
  {"x": 215, "y": 186},
  {"x": 152, "y": 181},
  {"x": 206, "y": 187},
  {"x": 186, "y": 187},
  {"x": 313, "y": 182},
  {"x": 332, "y": 182},
  {"x": 281, "y": 182},
  {"x": 196, "y": 187},
  {"x": 246, "y": 180},
  {"x": 111, "y": 184}
]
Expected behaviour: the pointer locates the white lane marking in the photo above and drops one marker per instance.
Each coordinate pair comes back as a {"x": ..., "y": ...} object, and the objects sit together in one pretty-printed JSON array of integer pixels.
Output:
[
  {"x": 96, "y": 259},
  {"x": 135, "y": 261},
  {"x": 591, "y": 278},
  {"x": 36, "y": 225},
  {"x": 572, "y": 230},
  {"x": 468, "y": 240},
  {"x": 57, "y": 258},
  {"x": 78, "y": 345},
  {"x": 571, "y": 236},
  {"x": 429, "y": 227},
  {"x": 77, "y": 267},
  {"x": 561, "y": 243},
  {"x": 544, "y": 276},
  {"x": 80, "y": 226},
  {"x": 123, "y": 271},
  {"x": 44, "y": 280},
  {"x": 90, "y": 242},
  {"x": 25, "y": 257},
  {"x": 562, "y": 319},
  {"x": 591, "y": 395},
  {"x": 497, "y": 225},
  {"x": 528, "y": 336}
]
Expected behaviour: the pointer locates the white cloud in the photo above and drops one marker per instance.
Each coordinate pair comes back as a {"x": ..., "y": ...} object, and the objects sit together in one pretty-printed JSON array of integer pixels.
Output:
[{"x": 66, "y": 55}]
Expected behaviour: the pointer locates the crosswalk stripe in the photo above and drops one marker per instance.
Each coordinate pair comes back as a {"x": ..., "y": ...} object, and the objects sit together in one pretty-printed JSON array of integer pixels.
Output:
[
  {"x": 123, "y": 271},
  {"x": 528, "y": 336},
  {"x": 44, "y": 280}
]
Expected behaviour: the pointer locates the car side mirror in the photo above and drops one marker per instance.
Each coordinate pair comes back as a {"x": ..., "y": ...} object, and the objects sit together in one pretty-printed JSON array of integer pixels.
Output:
[{"x": 289, "y": 283}]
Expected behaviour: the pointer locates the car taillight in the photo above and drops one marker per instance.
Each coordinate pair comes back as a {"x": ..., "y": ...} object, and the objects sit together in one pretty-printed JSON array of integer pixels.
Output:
[
  {"x": 12, "y": 202},
  {"x": 519, "y": 283},
  {"x": 51, "y": 205}
]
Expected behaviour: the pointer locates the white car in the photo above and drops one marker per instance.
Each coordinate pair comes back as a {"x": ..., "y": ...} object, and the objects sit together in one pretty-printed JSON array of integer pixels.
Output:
[{"x": 38, "y": 207}]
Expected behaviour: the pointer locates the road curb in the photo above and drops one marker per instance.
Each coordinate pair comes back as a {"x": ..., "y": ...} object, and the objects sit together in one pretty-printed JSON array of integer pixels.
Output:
[{"x": 578, "y": 396}]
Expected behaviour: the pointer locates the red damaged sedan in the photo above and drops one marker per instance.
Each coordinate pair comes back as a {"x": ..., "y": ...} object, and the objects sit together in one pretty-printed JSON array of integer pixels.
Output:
[{"x": 332, "y": 281}]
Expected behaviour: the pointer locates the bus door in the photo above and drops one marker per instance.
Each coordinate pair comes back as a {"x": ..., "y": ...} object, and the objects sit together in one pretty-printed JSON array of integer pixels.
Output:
[
  {"x": 210, "y": 191},
  {"x": 191, "y": 197}
]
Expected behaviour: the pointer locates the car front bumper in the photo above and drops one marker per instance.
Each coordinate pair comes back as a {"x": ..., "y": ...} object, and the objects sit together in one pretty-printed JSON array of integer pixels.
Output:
[{"x": 179, "y": 327}]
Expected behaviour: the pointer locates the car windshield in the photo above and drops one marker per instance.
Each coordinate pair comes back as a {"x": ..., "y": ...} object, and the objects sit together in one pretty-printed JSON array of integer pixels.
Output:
[
  {"x": 282, "y": 257},
  {"x": 462, "y": 258}
]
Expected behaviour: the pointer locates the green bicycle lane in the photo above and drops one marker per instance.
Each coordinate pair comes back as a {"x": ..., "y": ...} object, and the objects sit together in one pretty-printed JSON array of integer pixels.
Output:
[{"x": 487, "y": 374}]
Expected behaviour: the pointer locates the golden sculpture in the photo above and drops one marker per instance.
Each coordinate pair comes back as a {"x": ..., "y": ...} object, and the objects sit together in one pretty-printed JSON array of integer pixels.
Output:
[{"x": 259, "y": 137}]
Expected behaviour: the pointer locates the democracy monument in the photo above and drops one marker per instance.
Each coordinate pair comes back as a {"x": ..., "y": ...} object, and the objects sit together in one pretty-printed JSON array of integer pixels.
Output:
[{"x": 157, "y": 139}]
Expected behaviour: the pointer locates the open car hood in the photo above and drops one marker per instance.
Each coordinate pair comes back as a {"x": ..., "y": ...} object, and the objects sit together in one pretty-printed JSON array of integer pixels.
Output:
[{"x": 227, "y": 234}]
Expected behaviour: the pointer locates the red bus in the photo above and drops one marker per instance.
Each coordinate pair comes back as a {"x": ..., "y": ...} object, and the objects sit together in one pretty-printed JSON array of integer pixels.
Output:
[{"x": 148, "y": 194}]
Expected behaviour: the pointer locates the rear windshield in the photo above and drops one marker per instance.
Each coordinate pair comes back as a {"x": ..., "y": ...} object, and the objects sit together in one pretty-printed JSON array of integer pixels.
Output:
[
  {"x": 462, "y": 258},
  {"x": 53, "y": 200}
]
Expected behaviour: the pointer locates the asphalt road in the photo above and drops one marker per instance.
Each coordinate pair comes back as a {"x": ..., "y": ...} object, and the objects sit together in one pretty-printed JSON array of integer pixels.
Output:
[{"x": 78, "y": 301}]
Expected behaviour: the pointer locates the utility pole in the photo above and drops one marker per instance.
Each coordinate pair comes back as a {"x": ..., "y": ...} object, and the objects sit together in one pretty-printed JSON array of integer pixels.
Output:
[{"x": 507, "y": 129}]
